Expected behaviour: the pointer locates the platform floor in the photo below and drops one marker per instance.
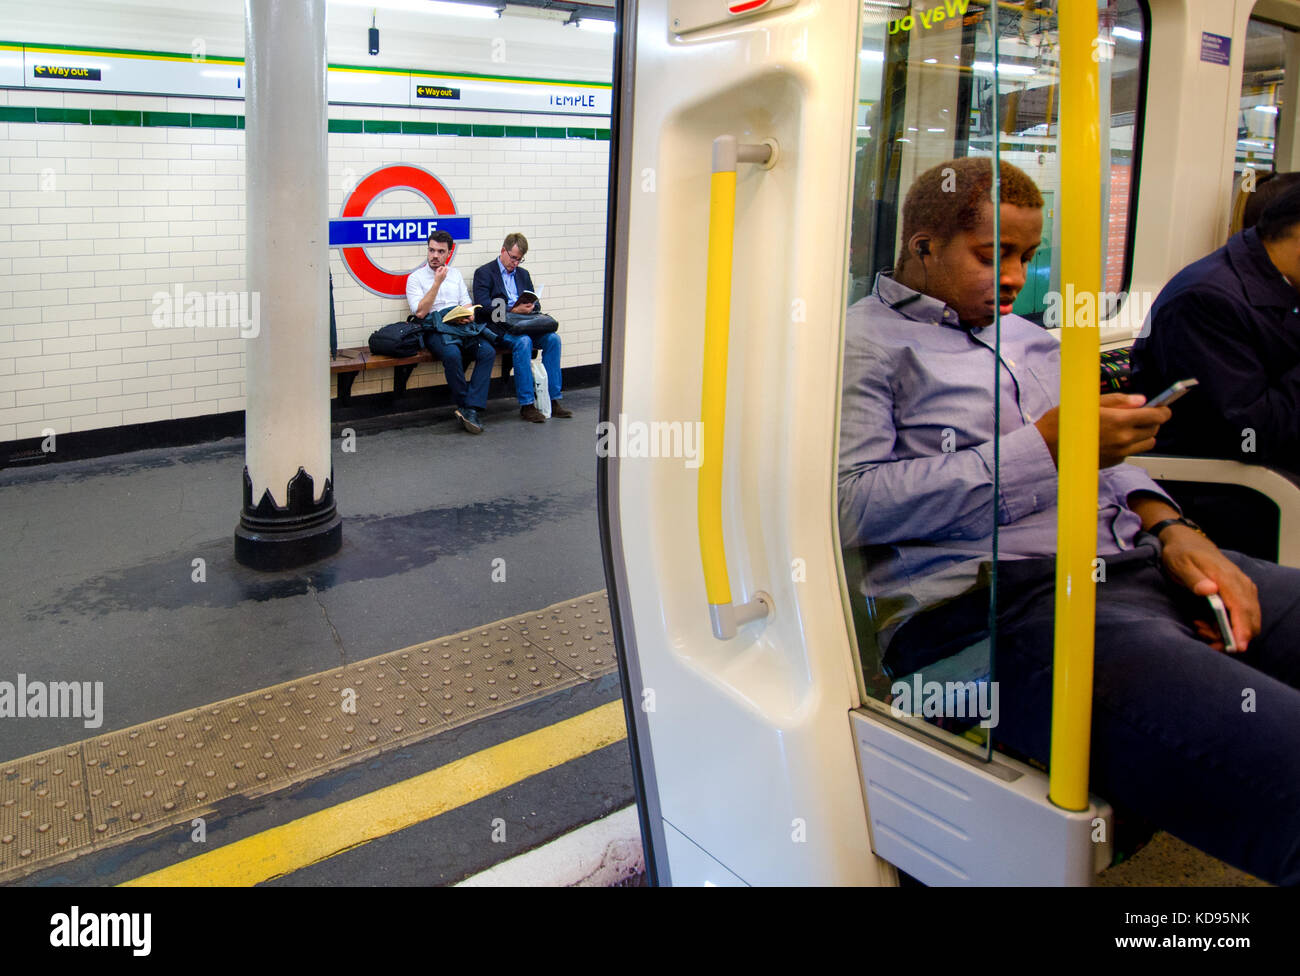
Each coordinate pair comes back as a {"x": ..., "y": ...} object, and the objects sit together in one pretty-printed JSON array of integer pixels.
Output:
[{"x": 99, "y": 566}]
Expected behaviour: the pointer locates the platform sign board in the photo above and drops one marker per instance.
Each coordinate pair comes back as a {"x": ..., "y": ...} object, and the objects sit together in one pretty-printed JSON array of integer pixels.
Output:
[
  {"x": 510, "y": 95},
  {"x": 353, "y": 232},
  {"x": 160, "y": 73},
  {"x": 378, "y": 231},
  {"x": 442, "y": 93},
  {"x": 122, "y": 71}
]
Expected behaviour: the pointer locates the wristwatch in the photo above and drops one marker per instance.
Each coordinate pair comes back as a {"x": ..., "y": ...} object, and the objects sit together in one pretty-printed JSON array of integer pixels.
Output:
[{"x": 1159, "y": 527}]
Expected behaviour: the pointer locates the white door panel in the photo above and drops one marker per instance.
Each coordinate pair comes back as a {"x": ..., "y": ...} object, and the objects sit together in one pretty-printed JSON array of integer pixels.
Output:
[{"x": 753, "y": 730}]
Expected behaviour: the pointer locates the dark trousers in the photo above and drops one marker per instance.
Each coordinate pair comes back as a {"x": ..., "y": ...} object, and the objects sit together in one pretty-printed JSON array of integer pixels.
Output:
[
  {"x": 1203, "y": 743},
  {"x": 452, "y": 352}
]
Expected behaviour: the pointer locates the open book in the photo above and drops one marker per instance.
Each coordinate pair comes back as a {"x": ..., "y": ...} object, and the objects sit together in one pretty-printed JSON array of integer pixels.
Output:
[
  {"x": 529, "y": 296},
  {"x": 460, "y": 313}
]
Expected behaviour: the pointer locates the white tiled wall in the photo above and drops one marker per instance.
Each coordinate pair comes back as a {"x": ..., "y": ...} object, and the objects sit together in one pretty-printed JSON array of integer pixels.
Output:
[{"x": 96, "y": 220}]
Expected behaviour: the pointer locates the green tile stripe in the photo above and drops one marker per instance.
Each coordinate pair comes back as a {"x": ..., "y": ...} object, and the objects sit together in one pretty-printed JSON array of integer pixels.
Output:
[
  {"x": 75, "y": 116},
  {"x": 198, "y": 120},
  {"x": 109, "y": 116},
  {"x": 180, "y": 120}
]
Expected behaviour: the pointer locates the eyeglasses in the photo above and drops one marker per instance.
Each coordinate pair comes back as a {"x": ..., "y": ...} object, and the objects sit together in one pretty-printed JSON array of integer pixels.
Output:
[{"x": 516, "y": 260}]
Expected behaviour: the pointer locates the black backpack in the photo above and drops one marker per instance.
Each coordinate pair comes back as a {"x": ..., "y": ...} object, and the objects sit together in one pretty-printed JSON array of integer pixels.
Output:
[{"x": 400, "y": 339}]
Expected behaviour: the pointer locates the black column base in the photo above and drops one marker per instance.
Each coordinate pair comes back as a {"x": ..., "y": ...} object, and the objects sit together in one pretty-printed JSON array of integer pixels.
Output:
[{"x": 272, "y": 538}]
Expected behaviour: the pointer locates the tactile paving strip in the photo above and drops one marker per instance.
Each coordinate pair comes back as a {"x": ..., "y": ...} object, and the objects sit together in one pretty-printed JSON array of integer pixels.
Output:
[
  {"x": 64, "y": 802},
  {"x": 578, "y": 634}
]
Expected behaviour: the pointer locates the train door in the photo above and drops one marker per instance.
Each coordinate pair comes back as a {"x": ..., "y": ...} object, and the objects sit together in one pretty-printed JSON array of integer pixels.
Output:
[
  {"x": 763, "y": 150},
  {"x": 749, "y": 774}
]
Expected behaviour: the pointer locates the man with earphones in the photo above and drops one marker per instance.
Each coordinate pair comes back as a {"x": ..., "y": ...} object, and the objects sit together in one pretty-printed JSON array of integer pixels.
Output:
[{"x": 930, "y": 464}]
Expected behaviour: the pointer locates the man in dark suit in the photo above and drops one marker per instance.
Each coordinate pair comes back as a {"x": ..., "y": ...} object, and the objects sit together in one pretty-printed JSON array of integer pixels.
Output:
[
  {"x": 497, "y": 287},
  {"x": 1232, "y": 321}
]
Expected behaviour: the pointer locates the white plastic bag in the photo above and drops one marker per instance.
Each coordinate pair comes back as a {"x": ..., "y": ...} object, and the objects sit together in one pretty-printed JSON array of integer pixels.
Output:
[{"x": 540, "y": 391}]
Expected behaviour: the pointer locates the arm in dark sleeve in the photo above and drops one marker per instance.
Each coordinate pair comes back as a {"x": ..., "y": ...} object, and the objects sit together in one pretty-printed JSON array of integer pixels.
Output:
[
  {"x": 1211, "y": 338},
  {"x": 483, "y": 293}
]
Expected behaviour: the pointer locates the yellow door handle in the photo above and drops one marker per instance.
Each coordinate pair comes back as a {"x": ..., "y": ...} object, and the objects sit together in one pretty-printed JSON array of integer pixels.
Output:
[{"x": 724, "y": 615}]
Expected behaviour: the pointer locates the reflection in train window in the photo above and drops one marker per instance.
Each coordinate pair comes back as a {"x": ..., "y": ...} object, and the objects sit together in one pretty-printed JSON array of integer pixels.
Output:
[
  {"x": 1263, "y": 70},
  {"x": 927, "y": 94},
  {"x": 980, "y": 81},
  {"x": 1263, "y": 120}
]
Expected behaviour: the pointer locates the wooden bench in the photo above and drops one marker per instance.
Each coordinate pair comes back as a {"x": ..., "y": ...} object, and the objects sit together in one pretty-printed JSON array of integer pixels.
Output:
[
  {"x": 349, "y": 362},
  {"x": 356, "y": 359}
]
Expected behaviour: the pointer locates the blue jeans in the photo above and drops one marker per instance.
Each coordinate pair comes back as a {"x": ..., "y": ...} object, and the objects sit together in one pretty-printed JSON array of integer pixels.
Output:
[
  {"x": 1204, "y": 744},
  {"x": 521, "y": 348},
  {"x": 452, "y": 353}
]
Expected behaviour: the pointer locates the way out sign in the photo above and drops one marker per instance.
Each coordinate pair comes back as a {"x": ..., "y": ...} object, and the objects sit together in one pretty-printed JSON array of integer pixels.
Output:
[{"x": 354, "y": 232}]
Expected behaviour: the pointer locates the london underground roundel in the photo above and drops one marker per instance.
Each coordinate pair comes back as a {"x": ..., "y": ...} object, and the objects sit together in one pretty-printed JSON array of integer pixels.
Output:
[{"x": 354, "y": 233}]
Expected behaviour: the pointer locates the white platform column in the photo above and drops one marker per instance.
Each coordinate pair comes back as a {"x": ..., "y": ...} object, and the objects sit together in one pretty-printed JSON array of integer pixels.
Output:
[{"x": 289, "y": 517}]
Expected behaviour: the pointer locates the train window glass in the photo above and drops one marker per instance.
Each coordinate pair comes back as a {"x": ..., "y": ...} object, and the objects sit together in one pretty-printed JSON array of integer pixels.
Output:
[
  {"x": 1028, "y": 81},
  {"x": 921, "y": 415},
  {"x": 928, "y": 96},
  {"x": 1263, "y": 71}
]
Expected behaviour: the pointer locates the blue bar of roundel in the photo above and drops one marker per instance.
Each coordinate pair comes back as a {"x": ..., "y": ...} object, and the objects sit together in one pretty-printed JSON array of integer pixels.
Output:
[{"x": 378, "y": 232}]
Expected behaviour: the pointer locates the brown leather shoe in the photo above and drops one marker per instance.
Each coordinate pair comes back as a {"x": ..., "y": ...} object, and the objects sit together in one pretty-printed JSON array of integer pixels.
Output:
[
  {"x": 558, "y": 409},
  {"x": 530, "y": 412}
]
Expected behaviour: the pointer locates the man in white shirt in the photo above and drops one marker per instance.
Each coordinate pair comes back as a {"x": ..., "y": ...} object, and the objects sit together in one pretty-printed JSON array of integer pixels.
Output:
[{"x": 435, "y": 286}]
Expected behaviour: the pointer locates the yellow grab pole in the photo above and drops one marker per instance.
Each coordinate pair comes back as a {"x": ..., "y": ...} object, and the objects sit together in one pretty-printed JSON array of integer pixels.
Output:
[
  {"x": 1076, "y": 596},
  {"x": 713, "y": 407},
  {"x": 725, "y": 617}
]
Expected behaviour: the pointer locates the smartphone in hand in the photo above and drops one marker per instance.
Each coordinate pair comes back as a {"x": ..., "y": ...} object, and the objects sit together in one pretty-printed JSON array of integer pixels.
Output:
[
  {"x": 1225, "y": 626},
  {"x": 1168, "y": 396}
]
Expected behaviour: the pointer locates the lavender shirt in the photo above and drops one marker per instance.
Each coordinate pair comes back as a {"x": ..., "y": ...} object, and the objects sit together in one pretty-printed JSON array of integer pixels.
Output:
[{"x": 916, "y": 451}]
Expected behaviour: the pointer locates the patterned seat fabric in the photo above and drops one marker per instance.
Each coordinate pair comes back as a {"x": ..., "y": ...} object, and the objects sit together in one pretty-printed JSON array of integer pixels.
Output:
[{"x": 1116, "y": 371}]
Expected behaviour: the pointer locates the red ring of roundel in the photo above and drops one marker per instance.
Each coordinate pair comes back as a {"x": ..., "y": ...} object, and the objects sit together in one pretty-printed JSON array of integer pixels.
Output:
[{"x": 380, "y": 181}]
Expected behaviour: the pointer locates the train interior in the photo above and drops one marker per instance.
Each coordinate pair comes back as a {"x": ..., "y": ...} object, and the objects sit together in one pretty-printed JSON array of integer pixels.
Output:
[{"x": 924, "y": 107}]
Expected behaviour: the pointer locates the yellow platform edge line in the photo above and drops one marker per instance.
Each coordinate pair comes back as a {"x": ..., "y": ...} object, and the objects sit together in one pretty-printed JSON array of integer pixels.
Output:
[{"x": 315, "y": 837}]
